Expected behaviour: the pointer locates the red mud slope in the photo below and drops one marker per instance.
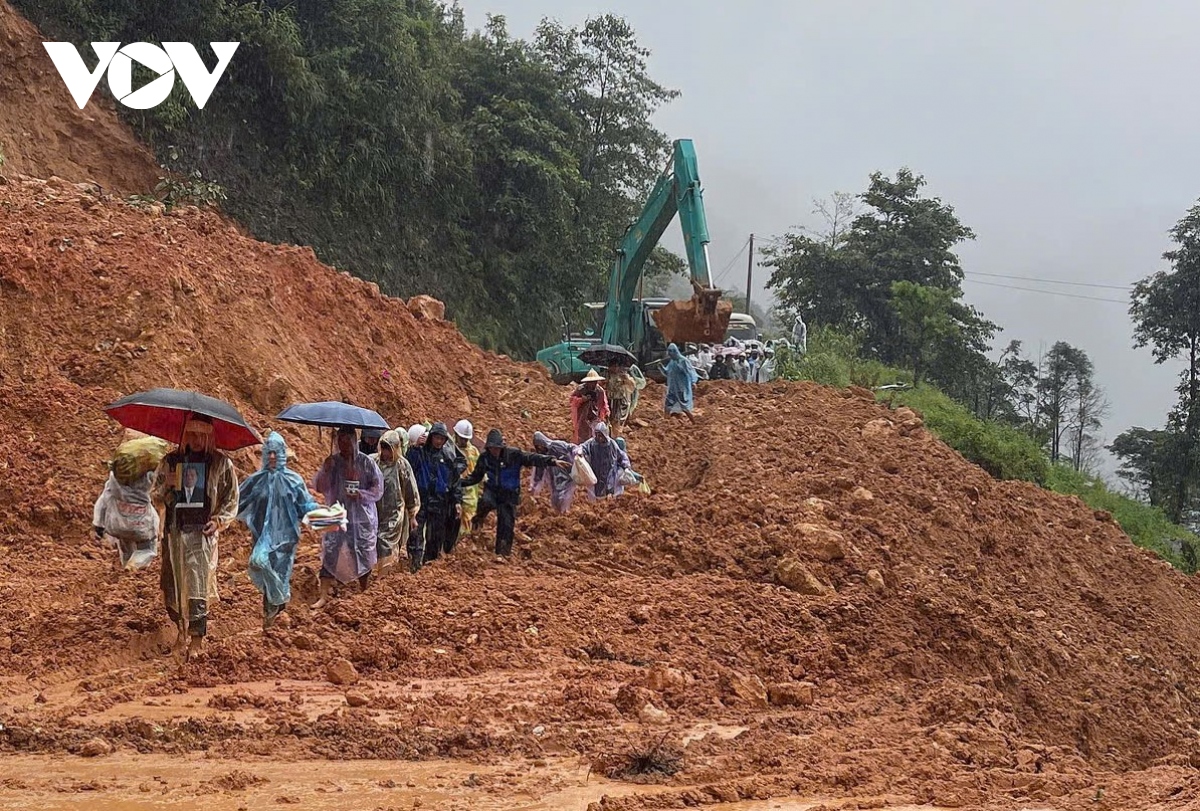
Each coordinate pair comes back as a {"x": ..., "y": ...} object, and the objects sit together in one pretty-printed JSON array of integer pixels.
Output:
[
  {"x": 43, "y": 133},
  {"x": 874, "y": 613}
]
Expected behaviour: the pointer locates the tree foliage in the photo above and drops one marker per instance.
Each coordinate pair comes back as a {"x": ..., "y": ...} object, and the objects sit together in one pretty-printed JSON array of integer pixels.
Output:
[
  {"x": 883, "y": 266},
  {"x": 492, "y": 172},
  {"x": 1166, "y": 313}
]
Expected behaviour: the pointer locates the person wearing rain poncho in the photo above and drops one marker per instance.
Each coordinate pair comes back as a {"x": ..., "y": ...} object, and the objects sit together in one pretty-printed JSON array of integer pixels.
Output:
[
  {"x": 123, "y": 514},
  {"x": 464, "y": 434},
  {"x": 681, "y": 378},
  {"x": 351, "y": 478},
  {"x": 272, "y": 502},
  {"x": 197, "y": 488},
  {"x": 608, "y": 461},
  {"x": 555, "y": 479},
  {"x": 400, "y": 502}
]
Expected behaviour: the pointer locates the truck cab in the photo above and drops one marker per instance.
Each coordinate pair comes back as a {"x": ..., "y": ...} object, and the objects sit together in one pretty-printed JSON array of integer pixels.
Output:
[{"x": 743, "y": 327}]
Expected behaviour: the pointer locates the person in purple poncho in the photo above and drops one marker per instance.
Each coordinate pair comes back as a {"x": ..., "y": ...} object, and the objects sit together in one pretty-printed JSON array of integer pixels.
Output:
[
  {"x": 607, "y": 461},
  {"x": 351, "y": 478}
]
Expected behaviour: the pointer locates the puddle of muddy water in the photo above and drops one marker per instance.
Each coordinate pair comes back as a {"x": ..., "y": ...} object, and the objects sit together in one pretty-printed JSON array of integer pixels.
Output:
[{"x": 139, "y": 783}]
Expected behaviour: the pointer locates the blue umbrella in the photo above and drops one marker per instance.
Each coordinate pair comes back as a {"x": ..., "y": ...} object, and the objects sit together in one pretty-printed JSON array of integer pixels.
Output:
[{"x": 333, "y": 414}]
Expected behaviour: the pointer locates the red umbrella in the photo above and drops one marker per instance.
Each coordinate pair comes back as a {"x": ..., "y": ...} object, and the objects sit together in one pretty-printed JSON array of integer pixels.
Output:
[{"x": 164, "y": 413}]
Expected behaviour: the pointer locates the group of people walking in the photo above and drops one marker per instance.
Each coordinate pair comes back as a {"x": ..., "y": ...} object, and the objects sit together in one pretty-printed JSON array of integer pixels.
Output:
[
  {"x": 405, "y": 494},
  {"x": 401, "y": 494}
]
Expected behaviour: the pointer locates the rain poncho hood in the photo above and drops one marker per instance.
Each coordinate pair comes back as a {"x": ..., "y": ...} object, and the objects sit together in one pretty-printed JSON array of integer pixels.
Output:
[
  {"x": 272, "y": 503},
  {"x": 400, "y": 500},
  {"x": 681, "y": 377}
]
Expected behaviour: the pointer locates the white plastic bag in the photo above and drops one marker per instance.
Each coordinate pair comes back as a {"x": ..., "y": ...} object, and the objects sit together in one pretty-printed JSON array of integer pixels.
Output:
[
  {"x": 628, "y": 478},
  {"x": 581, "y": 473}
]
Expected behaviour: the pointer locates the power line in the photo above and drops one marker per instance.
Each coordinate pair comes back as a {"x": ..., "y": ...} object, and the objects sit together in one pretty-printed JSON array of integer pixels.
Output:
[
  {"x": 725, "y": 269},
  {"x": 1049, "y": 292},
  {"x": 1048, "y": 281}
]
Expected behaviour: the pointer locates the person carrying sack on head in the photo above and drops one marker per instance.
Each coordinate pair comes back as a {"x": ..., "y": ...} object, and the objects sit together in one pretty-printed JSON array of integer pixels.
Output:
[{"x": 499, "y": 468}]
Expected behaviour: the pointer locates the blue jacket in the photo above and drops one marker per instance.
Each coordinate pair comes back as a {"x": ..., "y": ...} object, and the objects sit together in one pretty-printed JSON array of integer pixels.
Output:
[
  {"x": 503, "y": 472},
  {"x": 437, "y": 475}
]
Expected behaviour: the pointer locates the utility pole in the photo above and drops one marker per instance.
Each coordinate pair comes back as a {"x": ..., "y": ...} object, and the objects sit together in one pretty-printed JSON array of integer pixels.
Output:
[{"x": 749, "y": 273}]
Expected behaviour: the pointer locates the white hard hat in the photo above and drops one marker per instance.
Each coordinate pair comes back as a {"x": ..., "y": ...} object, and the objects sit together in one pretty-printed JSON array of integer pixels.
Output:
[
  {"x": 464, "y": 429},
  {"x": 415, "y": 433}
]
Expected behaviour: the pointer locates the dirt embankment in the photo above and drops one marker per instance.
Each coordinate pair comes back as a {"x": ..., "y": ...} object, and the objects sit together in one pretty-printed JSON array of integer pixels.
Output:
[
  {"x": 44, "y": 133},
  {"x": 865, "y": 609}
]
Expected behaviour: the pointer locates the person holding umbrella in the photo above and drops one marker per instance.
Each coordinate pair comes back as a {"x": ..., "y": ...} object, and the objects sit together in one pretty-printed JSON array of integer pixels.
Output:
[
  {"x": 350, "y": 477},
  {"x": 189, "y": 552}
]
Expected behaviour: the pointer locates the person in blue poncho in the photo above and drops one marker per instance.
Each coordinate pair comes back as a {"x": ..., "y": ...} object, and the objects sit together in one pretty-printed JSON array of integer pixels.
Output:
[
  {"x": 681, "y": 378},
  {"x": 272, "y": 501}
]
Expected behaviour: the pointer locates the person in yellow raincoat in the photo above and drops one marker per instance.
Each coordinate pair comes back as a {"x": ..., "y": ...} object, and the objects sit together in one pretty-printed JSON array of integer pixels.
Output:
[
  {"x": 198, "y": 490},
  {"x": 464, "y": 432}
]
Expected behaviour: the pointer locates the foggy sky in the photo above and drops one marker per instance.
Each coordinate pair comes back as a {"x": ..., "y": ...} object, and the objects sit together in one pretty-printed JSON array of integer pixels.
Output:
[{"x": 1063, "y": 133}]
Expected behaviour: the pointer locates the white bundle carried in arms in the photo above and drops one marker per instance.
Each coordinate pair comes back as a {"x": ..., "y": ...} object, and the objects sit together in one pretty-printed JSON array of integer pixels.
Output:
[{"x": 323, "y": 519}]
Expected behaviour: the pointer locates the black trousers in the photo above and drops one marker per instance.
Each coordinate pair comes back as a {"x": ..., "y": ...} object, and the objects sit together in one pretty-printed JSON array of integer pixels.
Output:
[
  {"x": 505, "y": 505},
  {"x": 453, "y": 530},
  {"x": 429, "y": 541}
]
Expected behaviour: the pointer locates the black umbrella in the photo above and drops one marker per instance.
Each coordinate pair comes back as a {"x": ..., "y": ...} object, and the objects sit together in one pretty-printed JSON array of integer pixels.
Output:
[
  {"x": 606, "y": 355},
  {"x": 332, "y": 414},
  {"x": 164, "y": 413}
]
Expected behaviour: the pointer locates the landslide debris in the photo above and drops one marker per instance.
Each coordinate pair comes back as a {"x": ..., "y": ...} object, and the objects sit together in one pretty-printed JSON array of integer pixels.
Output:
[{"x": 870, "y": 611}]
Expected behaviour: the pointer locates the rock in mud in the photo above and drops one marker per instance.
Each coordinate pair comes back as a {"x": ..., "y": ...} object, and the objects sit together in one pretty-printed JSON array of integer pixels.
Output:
[
  {"x": 876, "y": 429},
  {"x": 96, "y": 747},
  {"x": 341, "y": 672},
  {"x": 746, "y": 689},
  {"x": 357, "y": 698},
  {"x": 662, "y": 678},
  {"x": 876, "y": 582},
  {"x": 653, "y": 716},
  {"x": 862, "y": 497},
  {"x": 631, "y": 698},
  {"x": 427, "y": 308},
  {"x": 826, "y": 544},
  {"x": 796, "y": 694},
  {"x": 792, "y": 574}
]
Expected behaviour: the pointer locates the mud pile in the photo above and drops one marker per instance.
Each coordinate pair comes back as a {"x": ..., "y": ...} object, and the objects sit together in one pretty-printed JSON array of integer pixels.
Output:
[
  {"x": 865, "y": 608},
  {"x": 44, "y": 133}
]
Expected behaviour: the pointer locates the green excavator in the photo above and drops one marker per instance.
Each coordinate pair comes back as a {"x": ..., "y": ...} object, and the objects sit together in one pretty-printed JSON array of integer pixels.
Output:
[{"x": 645, "y": 326}]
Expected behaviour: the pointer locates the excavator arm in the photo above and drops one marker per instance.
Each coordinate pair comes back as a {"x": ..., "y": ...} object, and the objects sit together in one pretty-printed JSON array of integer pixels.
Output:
[{"x": 704, "y": 318}]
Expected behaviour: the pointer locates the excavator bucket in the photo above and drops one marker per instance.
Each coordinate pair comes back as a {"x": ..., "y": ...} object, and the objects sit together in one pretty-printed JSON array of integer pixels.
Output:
[{"x": 703, "y": 319}]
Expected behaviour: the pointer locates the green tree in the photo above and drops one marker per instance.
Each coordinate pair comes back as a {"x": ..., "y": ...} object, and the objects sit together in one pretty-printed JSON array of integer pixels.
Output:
[
  {"x": 602, "y": 75},
  {"x": 1148, "y": 459},
  {"x": 845, "y": 276},
  {"x": 924, "y": 321},
  {"x": 1166, "y": 313}
]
